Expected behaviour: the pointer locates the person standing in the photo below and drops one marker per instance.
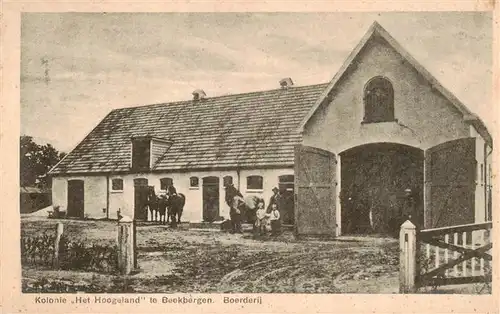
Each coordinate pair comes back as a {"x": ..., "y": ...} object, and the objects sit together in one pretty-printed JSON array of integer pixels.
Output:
[
  {"x": 261, "y": 220},
  {"x": 275, "y": 220},
  {"x": 234, "y": 200},
  {"x": 274, "y": 199}
]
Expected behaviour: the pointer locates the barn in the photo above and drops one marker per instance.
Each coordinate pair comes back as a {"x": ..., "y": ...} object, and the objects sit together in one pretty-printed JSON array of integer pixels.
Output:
[
  {"x": 383, "y": 140},
  {"x": 33, "y": 199}
]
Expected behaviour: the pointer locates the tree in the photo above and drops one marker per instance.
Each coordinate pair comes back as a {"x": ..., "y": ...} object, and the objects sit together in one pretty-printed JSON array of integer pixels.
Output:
[{"x": 35, "y": 161}]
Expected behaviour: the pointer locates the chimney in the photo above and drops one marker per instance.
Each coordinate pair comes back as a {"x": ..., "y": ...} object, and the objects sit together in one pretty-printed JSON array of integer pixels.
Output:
[
  {"x": 286, "y": 82},
  {"x": 199, "y": 94}
]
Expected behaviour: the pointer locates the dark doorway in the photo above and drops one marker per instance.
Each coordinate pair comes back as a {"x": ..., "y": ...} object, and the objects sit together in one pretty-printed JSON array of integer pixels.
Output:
[
  {"x": 141, "y": 191},
  {"x": 286, "y": 206},
  {"x": 76, "y": 198},
  {"x": 210, "y": 199},
  {"x": 381, "y": 187}
]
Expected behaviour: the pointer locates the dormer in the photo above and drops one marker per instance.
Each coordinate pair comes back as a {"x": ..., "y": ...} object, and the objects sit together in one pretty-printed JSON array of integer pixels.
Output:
[{"x": 146, "y": 151}]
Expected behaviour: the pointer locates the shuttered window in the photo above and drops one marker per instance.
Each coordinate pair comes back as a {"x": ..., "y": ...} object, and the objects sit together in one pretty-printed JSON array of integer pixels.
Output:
[
  {"x": 255, "y": 183},
  {"x": 165, "y": 183},
  {"x": 379, "y": 100},
  {"x": 194, "y": 182},
  {"x": 117, "y": 185}
]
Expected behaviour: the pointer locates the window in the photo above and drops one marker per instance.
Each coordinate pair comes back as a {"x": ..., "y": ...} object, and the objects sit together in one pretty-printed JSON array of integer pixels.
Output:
[
  {"x": 194, "y": 182},
  {"x": 379, "y": 100},
  {"x": 286, "y": 183},
  {"x": 140, "y": 182},
  {"x": 255, "y": 183},
  {"x": 117, "y": 185},
  {"x": 228, "y": 180},
  {"x": 141, "y": 154},
  {"x": 165, "y": 183}
]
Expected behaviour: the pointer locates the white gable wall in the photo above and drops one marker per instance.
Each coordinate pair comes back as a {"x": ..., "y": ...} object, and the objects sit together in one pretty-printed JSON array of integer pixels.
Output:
[{"x": 425, "y": 117}]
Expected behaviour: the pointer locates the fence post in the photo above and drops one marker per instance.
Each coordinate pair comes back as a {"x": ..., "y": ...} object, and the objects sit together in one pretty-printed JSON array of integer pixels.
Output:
[
  {"x": 59, "y": 232},
  {"x": 407, "y": 257},
  {"x": 126, "y": 245}
]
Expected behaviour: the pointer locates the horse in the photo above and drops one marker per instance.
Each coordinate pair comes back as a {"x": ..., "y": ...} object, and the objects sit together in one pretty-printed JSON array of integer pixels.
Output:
[
  {"x": 162, "y": 208},
  {"x": 152, "y": 203},
  {"x": 241, "y": 208},
  {"x": 175, "y": 205}
]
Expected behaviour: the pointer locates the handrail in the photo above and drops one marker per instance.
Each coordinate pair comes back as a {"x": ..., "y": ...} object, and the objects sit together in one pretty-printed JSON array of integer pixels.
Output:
[{"x": 460, "y": 228}]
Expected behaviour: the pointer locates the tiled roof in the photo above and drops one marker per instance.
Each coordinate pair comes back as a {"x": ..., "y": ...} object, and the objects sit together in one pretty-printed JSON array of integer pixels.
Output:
[{"x": 243, "y": 130}]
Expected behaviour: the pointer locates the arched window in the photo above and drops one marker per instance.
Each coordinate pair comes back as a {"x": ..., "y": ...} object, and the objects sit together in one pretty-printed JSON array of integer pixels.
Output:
[
  {"x": 255, "y": 183},
  {"x": 165, "y": 183},
  {"x": 379, "y": 100},
  {"x": 117, "y": 185}
]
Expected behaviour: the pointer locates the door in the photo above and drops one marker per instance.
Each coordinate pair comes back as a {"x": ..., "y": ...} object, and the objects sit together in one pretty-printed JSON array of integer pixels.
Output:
[
  {"x": 315, "y": 186},
  {"x": 286, "y": 201},
  {"x": 141, "y": 191},
  {"x": 450, "y": 183},
  {"x": 210, "y": 199},
  {"x": 76, "y": 198}
]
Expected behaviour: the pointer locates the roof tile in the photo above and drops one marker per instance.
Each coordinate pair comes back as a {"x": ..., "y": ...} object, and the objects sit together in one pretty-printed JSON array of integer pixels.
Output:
[{"x": 244, "y": 130}]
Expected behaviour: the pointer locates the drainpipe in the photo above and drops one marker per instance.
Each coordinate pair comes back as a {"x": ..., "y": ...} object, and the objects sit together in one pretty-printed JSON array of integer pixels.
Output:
[
  {"x": 107, "y": 196},
  {"x": 238, "y": 174}
]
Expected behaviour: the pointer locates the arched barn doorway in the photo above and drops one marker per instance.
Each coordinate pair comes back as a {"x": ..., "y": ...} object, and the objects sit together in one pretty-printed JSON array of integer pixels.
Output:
[{"x": 381, "y": 185}]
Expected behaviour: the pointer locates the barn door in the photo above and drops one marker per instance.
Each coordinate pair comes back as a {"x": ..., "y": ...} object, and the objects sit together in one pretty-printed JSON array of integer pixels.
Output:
[
  {"x": 76, "y": 198},
  {"x": 314, "y": 191},
  {"x": 450, "y": 183}
]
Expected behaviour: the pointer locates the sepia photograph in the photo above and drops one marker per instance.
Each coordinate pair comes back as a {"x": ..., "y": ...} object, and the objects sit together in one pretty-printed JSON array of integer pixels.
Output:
[{"x": 255, "y": 153}]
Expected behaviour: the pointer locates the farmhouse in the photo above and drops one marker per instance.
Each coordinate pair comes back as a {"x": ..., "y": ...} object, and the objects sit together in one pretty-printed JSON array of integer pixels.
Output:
[{"x": 384, "y": 139}]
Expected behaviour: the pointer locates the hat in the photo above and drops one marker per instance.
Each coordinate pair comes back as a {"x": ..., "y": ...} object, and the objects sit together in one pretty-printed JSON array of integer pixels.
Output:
[{"x": 275, "y": 189}]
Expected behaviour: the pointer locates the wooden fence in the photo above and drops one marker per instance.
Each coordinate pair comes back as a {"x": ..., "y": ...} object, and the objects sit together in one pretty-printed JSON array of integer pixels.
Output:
[{"x": 444, "y": 256}]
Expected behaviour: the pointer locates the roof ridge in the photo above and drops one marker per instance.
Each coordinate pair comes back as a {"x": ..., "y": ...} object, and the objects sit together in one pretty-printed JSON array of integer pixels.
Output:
[{"x": 179, "y": 102}]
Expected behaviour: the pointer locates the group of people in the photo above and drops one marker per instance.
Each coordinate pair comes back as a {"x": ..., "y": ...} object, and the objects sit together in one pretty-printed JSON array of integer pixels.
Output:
[{"x": 262, "y": 217}]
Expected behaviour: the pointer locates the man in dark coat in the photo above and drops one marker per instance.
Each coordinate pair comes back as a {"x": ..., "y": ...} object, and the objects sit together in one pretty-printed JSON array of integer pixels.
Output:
[
  {"x": 171, "y": 190},
  {"x": 234, "y": 211},
  {"x": 275, "y": 199}
]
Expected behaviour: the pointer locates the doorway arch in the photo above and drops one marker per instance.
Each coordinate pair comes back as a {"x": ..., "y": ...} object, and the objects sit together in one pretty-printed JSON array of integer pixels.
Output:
[{"x": 381, "y": 186}]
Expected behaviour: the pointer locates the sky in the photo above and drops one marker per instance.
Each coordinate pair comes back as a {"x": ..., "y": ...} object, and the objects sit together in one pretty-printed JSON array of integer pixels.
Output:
[{"x": 77, "y": 67}]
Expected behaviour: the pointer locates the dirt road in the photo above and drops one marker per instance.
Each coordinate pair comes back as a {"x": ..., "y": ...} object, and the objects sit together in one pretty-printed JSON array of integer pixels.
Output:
[{"x": 185, "y": 260}]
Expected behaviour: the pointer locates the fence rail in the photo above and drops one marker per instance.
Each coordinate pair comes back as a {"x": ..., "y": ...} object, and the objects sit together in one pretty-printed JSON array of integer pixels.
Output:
[{"x": 445, "y": 256}]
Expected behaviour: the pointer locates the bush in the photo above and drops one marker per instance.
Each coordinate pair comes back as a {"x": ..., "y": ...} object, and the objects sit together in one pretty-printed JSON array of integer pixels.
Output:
[{"x": 73, "y": 255}]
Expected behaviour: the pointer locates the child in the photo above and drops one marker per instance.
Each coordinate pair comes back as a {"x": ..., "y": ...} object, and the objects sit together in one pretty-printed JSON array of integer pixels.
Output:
[
  {"x": 261, "y": 221},
  {"x": 275, "y": 220}
]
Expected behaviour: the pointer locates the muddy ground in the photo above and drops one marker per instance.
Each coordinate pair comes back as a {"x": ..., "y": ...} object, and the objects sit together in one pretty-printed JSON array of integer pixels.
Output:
[{"x": 204, "y": 260}]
